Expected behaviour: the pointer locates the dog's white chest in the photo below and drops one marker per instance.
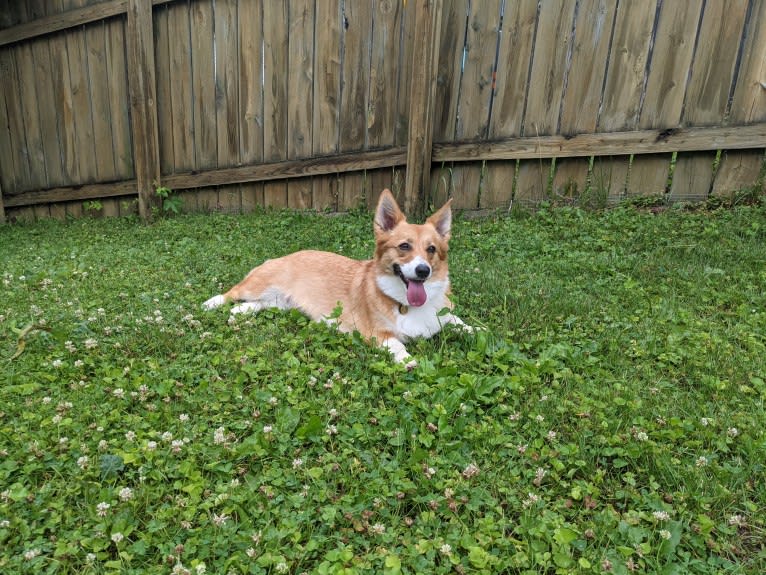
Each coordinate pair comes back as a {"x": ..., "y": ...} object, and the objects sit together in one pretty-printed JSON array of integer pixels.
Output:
[{"x": 418, "y": 322}]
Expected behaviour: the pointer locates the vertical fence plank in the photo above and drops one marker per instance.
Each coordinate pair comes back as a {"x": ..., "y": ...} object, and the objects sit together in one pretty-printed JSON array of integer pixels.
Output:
[
  {"x": 665, "y": 89},
  {"x": 552, "y": 44},
  {"x": 385, "y": 75},
  {"x": 475, "y": 95},
  {"x": 143, "y": 100},
  {"x": 584, "y": 85},
  {"x": 707, "y": 96},
  {"x": 355, "y": 68},
  {"x": 275, "y": 43},
  {"x": 117, "y": 70},
  {"x": 449, "y": 70},
  {"x": 326, "y": 100},
  {"x": 162, "y": 51},
  {"x": 739, "y": 170},
  {"x": 18, "y": 160},
  {"x": 512, "y": 77},
  {"x": 624, "y": 84},
  {"x": 250, "y": 23},
  {"x": 425, "y": 58},
  {"x": 300, "y": 79}
]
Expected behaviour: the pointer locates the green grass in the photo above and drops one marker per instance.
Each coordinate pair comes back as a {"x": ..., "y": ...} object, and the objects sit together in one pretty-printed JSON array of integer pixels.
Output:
[{"x": 610, "y": 418}]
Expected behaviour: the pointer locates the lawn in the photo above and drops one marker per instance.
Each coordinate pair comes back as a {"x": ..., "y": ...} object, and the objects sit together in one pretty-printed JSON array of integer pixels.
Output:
[{"x": 610, "y": 417}]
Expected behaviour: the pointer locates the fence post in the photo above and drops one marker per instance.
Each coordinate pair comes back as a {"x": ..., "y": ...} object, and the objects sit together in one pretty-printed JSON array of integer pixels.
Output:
[
  {"x": 425, "y": 60},
  {"x": 143, "y": 103}
]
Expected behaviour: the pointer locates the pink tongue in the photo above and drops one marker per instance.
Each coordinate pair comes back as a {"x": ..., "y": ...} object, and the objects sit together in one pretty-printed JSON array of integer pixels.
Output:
[{"x": 416, "y": 294}]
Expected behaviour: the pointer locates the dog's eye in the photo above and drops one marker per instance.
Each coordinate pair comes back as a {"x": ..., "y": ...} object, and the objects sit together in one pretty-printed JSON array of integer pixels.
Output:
[
  {"x": 431, "y": 249},
  {"x": 405, "y": 247}
]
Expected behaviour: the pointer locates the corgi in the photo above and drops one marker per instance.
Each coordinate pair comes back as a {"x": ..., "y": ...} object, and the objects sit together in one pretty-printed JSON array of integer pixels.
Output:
[{"x": 400, "y": 294}]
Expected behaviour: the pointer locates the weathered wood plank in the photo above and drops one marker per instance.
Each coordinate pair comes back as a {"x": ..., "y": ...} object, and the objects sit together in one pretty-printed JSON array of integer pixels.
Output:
[
  {"x": 143, "y": 100},
  {"x": 46, "y": 95},
  {"x": 740, "y": 170},
  {"x": 546, "y": 86},
  {"x": 300, "y": 70},
  {"x": 606, "y": 144},
  {"x": 181, "y": 94},
  {"x": 17, "y": 162},
  {"x": 275, "y": 45},
  {"x": 475, "y": 97},
  {"x": 512, "y": 78},
  {"x": 624, "y": 84},
  {"x": 250, "y": 22},
  {"x": 707, "y": 96},
  {"x": 100, "y": 84},
  {"x": 162, "y": 51},
  {"x": 82, "y": 118},
  {"x": 326, "y": 99},
  {"x": 117, "y": 69},
  {"x": 665, "y": 88},
  {"x": 31, "y": 116},
  {"x": 422, "y": 93},
  {"x": 355, "y": 67}
]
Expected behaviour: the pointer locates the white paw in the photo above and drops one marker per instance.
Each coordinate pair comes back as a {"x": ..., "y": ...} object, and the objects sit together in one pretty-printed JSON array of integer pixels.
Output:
[
  {"x": 214, "y": 302},
  {"x": 410, "y": 365},
  {"x": 247, "y": 307}
]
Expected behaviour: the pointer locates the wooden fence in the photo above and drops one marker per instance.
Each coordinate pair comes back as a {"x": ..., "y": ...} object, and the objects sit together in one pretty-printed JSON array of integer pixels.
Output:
[{"x": 320, "y": 104}]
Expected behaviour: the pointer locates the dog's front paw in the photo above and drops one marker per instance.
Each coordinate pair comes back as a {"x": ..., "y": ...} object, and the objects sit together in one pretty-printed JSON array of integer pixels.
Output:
[
  {"x": 410, "y": 365},
  {"x": 214, "y": 302},
  {"x": 247, "y": 307}
]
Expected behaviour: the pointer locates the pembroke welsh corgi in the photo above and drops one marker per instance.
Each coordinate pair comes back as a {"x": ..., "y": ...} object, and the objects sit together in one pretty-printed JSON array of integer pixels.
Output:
[{"x": 399, "y": 294}]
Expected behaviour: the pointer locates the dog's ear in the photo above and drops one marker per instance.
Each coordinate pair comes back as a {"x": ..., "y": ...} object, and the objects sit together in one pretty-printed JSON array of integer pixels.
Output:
[
  {"x": 442, "y": 220},
  {"x": 387, "y": 214}
]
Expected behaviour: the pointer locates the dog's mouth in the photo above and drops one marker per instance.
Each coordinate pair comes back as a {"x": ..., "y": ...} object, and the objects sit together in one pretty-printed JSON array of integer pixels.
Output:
[{"x": 416, "y": 291}]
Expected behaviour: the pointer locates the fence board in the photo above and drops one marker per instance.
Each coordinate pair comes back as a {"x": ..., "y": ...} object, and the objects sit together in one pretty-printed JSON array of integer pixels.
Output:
[
  {"x": 475, "y": 95},
  {"x": 707, "y": 96},
  {"x": 623, "y": 89},
  {"x": 300, "y": 79},
  {"x": 512, "y": 78},
  {"x": 665, "y": 89},
  {"x": 740, "y": 170},
  {"x": 43, "y": 75},
  {"x": 31, "y": 116},
  {"x": 18, "y": 158},
  {"x": 326, "y": 97},
  {"x": 552, "y": 45},
  {"x": 584, "y": 85},
  {"x": 250, "y": 30},
  {"x": 275, "y": 41}
]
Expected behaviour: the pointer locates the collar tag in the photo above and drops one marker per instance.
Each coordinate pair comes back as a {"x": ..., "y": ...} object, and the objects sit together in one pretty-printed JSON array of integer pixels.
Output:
[{"x": 403, "y": 309}]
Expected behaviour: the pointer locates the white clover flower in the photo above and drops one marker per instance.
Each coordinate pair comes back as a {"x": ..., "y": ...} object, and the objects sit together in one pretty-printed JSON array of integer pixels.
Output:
[
  {"x": 281, "y": 567},
  {"x": 665, "y": 534},
  {"x": 31, "y": 554},
  {"x": 445, "y": 549},
  {"x": 126, "y": 494},
  {"x": 219, "y": 436},
  {"x": 470, "y": 471},
  {"x": 200, "y": 568},
  {"x": 176, "y": 445},
  {"x": 702, "y": 461},
  {"x": 661, "y": 515},
  {"x": 90, "y": 343},
  {"x": 705, "y": 421},
  {"x": 167, "y": 437},
  {"x": 331, "y": 430},
  {"x": 151, "y": 445},
  {"x": 46, "y": 400},
  {"x": 378, "y": 529},
  {"x": 297, "y": 462},
  {"x": 737, "y": 520},
  {"x": 184, "y": 417},
  {"x": 4, "y": 524},
  {"x": 130, "y": 435},
  {"x": 103, "y": 445},
  {"x": 117, "y": 537},
  {"x": 90, "y": 557},
  {"x": 267, "y": 429},
  {"x": 57, "y": 363},
  {"x": 119, "y": 393},
  {"x": 220, "y": 520},
  {"x": 102, "y": 508},
  {"x": 732, "y": 432}
]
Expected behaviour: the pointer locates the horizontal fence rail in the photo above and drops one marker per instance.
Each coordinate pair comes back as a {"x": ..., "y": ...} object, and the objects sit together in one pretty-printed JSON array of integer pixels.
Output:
[{"x": 319, "y": 105}]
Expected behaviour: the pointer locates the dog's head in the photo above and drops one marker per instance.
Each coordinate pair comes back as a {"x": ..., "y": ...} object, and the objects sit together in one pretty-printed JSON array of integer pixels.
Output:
[{"x": 411, "y": 258}]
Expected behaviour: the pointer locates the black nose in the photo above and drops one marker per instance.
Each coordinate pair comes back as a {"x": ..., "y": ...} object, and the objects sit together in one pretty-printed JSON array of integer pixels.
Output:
[{"x": 422, "y": 271}]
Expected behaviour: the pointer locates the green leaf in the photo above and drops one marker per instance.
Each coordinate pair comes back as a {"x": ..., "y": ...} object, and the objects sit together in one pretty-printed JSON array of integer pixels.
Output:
[{"x": 111, "y": 466}]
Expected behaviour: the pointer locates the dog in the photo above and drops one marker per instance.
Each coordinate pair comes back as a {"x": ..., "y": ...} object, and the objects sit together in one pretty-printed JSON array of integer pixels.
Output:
[{"x": 401, "y": 293}]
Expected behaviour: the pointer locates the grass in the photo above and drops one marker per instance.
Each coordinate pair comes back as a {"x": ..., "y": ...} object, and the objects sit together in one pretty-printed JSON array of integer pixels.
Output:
[{"x": 609, "y": 419}]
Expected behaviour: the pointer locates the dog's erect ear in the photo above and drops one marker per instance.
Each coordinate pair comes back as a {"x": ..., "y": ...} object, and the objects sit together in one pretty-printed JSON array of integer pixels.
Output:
[
  {"x": 442, "y": 220},
  {"x": 387, "y": 214}
]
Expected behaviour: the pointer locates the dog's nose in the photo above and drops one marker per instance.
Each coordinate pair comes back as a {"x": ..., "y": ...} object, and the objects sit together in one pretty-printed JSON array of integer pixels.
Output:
[{"x": 422, "y": 271}]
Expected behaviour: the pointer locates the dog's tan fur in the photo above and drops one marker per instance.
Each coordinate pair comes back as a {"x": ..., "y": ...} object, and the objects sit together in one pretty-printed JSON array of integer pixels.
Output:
[{"x": 373, "y": 299}]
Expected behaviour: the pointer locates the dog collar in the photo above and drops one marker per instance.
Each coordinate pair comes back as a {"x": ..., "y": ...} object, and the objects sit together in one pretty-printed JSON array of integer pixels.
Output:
[{"x": 403, "y": 309}]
